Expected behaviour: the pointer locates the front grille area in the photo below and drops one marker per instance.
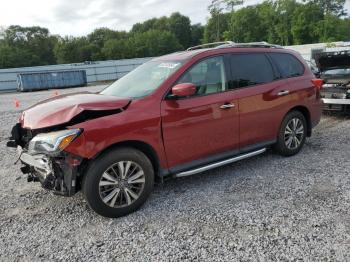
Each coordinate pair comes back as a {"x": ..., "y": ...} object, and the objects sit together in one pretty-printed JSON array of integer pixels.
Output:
[
  {"x": 333, "y": 92},
  {"x": 333, "y": 107}
]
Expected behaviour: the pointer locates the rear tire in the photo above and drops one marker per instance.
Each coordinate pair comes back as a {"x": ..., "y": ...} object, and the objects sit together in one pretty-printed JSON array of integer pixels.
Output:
[
  {"x": 118, "y": 182},
  {"x": 292, "y": 134}
]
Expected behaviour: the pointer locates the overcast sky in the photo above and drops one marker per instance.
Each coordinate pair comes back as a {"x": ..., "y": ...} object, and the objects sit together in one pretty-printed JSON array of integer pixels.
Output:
[{"x": 79, "y": 17}]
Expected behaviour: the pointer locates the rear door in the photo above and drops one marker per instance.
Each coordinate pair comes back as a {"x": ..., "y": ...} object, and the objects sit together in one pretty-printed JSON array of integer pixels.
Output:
[
  {"x": 202, "y": 127},
  {"x": 262, "y": 98}
]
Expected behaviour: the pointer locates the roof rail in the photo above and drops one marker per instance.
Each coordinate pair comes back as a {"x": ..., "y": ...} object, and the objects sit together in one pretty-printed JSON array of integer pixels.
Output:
[
  {"x": 210, "y": 45},
  {"x": 228, "y": 44},
  {"x": 257, "y": 44}
]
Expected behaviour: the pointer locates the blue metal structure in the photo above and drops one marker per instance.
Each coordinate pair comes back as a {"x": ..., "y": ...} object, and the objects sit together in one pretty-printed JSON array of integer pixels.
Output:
[{"x": 50, "y": 80}]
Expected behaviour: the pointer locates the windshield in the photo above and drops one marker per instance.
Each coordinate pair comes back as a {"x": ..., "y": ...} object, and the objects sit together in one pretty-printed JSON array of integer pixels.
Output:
[
  {"x": 143, "y": 80},
  {"x": 345, "y": 71}
]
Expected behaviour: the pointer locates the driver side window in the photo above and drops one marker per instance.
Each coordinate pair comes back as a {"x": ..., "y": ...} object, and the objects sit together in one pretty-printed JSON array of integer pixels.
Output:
[{"x": 208, "y": 76}]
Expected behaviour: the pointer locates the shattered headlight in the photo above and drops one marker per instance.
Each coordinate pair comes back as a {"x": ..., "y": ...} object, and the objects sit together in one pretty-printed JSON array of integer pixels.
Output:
[{"x": 53, "y": 142}]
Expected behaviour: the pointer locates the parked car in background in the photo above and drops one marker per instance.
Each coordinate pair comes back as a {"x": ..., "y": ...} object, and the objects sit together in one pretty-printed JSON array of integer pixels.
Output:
[
  {"x": 335, "y": 71},
  {"x": 177, "y": 115}
]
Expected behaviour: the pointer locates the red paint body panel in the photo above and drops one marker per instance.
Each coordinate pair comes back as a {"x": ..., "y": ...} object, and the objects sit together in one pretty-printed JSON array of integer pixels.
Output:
[
  {"x": 182, "y": 130},
  {"x": 134, "y": 124},
  {"x": 261, "y": 111},
  {"x": 197, "y": 128},
  {"x": 60, "y": 110},
  {"x": 183, "y": 90}
]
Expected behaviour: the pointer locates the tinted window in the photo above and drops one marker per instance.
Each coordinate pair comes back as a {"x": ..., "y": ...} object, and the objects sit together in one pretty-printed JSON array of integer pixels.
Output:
[
  {"x": 208, "y": 76},
  {"x": 288, "y": 65},
  {"x": 251, "y": 69}
]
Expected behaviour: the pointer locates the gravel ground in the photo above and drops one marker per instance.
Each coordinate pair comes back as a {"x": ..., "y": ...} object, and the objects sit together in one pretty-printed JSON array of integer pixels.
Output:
[{"x": 264, "y": 208}]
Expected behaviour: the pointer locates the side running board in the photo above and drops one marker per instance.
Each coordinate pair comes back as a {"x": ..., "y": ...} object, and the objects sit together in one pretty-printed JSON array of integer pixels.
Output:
[{"x": 221, "y": 163}]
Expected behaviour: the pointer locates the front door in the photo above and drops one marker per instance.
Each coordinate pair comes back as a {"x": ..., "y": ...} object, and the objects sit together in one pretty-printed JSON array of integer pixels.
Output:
[{"x": 205, "y": 125}]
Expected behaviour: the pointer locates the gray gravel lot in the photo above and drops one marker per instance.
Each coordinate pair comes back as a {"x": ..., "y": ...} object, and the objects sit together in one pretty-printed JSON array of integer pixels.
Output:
[{"x": 264, "y": 208}]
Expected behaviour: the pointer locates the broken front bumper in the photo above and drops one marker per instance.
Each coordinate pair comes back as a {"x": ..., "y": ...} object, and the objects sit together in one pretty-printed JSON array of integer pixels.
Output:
[
  {"x": 334, "y": 104},
  {"x": 336, "y": 101},
  {"x": 336, "y": 98},
  {"x": 58, "y": 174}
]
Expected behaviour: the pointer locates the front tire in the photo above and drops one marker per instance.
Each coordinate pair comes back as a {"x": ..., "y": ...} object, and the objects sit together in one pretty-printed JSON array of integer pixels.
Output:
[
  {"x": 292, "y": 134},
  {"x": 118, "y": 182}
]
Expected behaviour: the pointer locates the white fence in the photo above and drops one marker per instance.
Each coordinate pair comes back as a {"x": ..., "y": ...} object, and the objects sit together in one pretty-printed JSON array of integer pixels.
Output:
[{"x": 95, "y": 71}]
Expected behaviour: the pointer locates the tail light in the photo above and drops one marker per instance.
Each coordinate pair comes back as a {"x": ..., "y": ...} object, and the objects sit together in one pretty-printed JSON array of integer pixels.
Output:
[{"x": 318, "y": 83}]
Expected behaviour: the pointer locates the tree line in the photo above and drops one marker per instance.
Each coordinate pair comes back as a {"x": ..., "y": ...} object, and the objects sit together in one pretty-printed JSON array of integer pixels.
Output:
[{"x": 283, "y": 22}]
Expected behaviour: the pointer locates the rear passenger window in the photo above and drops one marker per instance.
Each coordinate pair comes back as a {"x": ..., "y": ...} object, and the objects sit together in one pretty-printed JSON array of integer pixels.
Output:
[
  {"x": 251, "y": 69},
  {"x": 288, "y": 65}
]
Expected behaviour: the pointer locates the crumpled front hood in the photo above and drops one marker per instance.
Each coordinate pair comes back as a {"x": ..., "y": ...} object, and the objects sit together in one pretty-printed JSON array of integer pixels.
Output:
[
  {"x": 333, "y": 60},
  {"x": 70, "y": 108}
]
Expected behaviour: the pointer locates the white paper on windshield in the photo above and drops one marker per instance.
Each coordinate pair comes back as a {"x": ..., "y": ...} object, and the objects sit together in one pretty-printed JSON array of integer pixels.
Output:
[{"x": 169, "y": 65}]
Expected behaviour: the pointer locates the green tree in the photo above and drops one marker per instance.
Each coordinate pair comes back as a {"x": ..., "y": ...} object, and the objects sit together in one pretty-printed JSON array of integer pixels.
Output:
[
  {"x": 73, "y": 50},
  {"x": 268, "y": 18},
  {"x": 154, "y": 43},
  {"x": 99, "y": 37},
  {"x": 332, "y": 29},
  {"x": 151, "y": 24},
  {"x": 177, "y": 24},
  {"x": 117, "y": 49},
  {"x": 216, "y": 27},
  {"x": 284, "y": 14},
  {"x": 305, "y": 23},
  {"x": 180, "y": 26},
  {"x": 197, "y": 32},
  {"x": 227, "y": 4},
  {"x": 245, "y": 28},
  {"x": 334, "y": 7},
  {"x": 344, "y": 29},
  {"x": 34, "y": 41},
  {"x": 11, "y": 57}
]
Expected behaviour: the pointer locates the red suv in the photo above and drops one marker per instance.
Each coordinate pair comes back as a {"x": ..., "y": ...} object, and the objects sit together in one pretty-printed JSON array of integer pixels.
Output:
[{"x": 175, "y": 116}]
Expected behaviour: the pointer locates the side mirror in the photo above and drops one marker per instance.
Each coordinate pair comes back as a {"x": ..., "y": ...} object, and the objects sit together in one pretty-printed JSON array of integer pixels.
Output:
[{"x": 183, "y": 90}]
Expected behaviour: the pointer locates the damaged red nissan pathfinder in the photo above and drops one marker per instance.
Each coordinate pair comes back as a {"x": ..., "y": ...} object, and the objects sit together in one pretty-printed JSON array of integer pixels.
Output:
[{"x": 177, "y": 115}]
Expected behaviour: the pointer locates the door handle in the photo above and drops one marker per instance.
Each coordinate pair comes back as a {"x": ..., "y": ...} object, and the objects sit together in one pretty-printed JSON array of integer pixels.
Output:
[
  {"x": 283, "y": 93},
  {"x": 227, "y": 106}
]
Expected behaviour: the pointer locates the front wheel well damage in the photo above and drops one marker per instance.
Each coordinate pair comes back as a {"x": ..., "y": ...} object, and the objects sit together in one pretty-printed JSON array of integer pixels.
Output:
[{"x": 307, "y": 116}]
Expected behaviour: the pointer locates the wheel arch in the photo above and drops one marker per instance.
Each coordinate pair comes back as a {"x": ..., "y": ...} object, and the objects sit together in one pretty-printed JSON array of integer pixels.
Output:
[
  {"x": 145, "y": 148},
  {"x": 305, "y": 111}
]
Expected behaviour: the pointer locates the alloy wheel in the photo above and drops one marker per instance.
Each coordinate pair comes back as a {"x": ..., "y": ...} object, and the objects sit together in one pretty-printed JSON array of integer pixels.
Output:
[
  {"x": 122, "y": 184},
  {"x": 294, "y": 133}
]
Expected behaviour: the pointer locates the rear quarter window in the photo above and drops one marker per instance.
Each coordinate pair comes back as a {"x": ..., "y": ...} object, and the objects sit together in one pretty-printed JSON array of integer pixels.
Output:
[{"x": 289, "y": 65}]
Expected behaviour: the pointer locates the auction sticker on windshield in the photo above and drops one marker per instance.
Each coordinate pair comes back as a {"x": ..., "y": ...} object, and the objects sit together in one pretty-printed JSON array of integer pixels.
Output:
[{"x": 169, "y": 65}]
